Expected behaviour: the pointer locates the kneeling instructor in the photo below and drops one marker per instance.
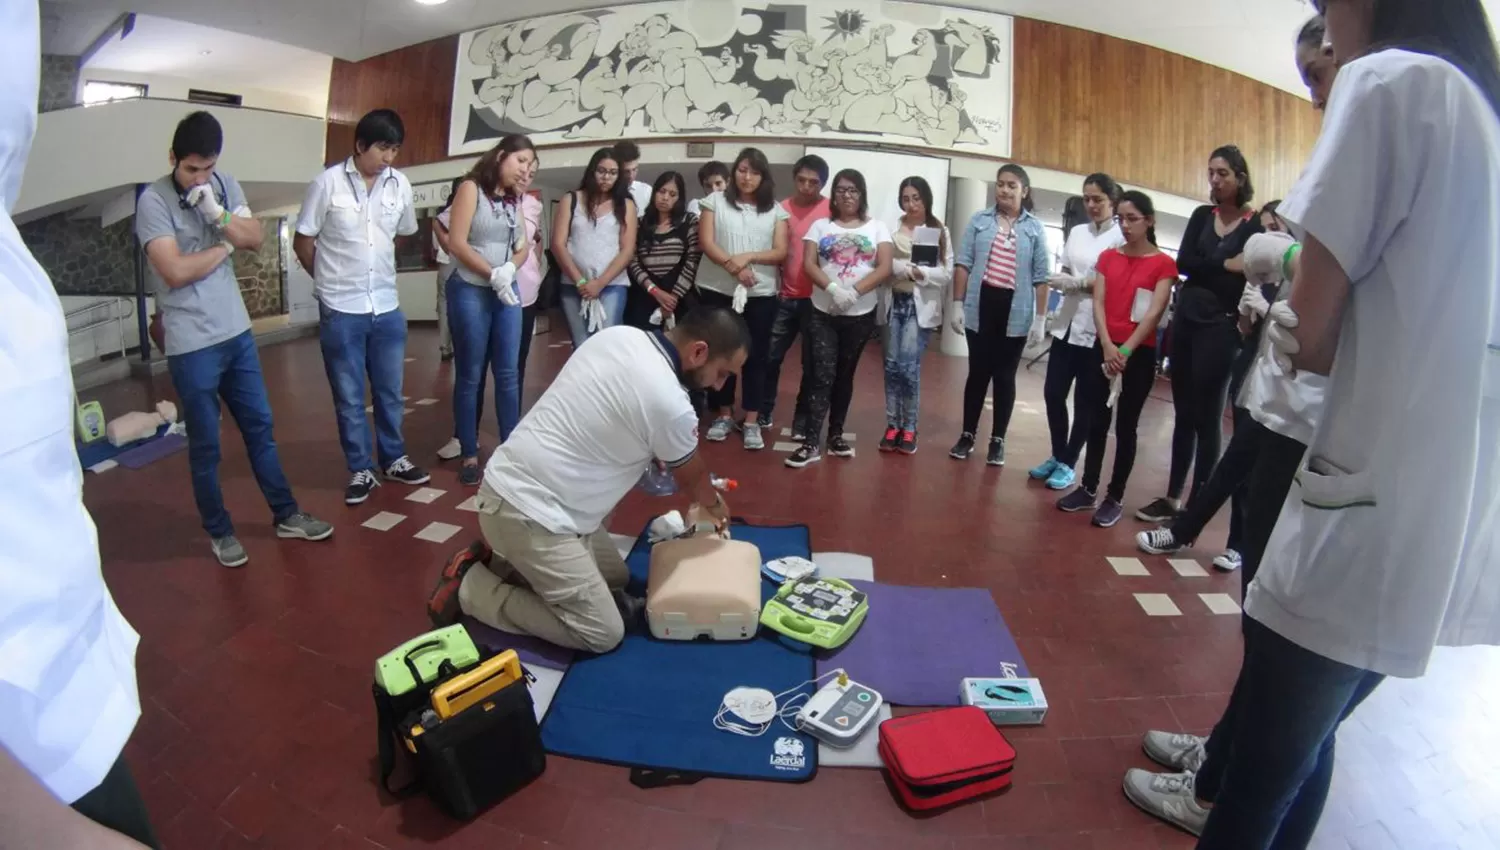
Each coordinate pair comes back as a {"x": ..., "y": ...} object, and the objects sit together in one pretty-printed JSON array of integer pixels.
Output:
[{"x": 618, "y": 405}]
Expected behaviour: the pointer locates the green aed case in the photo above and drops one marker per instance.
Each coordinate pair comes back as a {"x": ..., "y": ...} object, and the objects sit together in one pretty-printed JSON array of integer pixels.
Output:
[
  {"x": 422, "y": 656},
  {"x": 822, "y": 612}
]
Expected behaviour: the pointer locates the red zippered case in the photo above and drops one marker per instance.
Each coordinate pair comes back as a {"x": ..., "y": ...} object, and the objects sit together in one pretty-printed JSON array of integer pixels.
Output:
[{"x": 943, "y": 757}]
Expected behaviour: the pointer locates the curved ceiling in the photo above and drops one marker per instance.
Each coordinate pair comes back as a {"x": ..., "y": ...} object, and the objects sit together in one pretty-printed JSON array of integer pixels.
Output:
[{"x": 1251, "y": 38}]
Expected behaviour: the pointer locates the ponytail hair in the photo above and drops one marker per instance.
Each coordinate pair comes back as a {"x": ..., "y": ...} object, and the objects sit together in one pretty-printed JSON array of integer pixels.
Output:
[{"x": 1143, "y": 205}]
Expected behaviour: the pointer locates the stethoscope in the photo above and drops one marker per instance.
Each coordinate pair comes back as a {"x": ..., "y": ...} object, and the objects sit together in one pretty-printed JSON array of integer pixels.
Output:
[
  {"x": 220, "y": 192},
  {"x": 354, "y": 187}
]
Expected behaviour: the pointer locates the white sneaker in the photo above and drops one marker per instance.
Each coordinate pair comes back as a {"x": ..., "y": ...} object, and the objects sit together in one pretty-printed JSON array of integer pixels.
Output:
[
  {"x": 450, "y": 450},
  {"x": 1177, "y": 751},
  {"x": 1229, "y": 561},
  {"x": 1169, "y": 796},
  {"x": 718, "y": 432},
  {"x": 753, "y": 440}
]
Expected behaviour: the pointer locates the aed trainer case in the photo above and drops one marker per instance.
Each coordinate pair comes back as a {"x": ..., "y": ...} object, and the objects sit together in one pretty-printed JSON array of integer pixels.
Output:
[{"x": 944, "y": 757}]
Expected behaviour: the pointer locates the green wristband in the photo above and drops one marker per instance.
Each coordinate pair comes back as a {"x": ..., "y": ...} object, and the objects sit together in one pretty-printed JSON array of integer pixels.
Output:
[
  {"x": 1286, "y": 260},
  {"x": 1125, "y": 350},
  {"x": 582, "y": 281}
]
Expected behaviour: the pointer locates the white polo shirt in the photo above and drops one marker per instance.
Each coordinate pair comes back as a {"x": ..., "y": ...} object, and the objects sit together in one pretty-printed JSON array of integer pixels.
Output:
[
  {"x": 641, "y": 194},
  {"x": 68, "y": 698},
  {"x": 1075, "y": 318},
  {"x": 356, "y": 229},
  {"x": 617, "y": 404},
  {"x": 1389, "y": 541}
]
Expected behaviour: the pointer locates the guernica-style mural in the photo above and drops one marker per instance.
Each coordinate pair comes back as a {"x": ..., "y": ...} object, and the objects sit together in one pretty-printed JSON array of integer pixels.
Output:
[{"x": 898, "y": 73}]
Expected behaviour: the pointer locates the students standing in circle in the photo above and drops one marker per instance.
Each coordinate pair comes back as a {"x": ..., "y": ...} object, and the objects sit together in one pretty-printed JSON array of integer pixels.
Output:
[
  {"x": 713, "y": 176},
  {"x": 848, "y": 258},
  {"x": 593, "y": 238},
  {"x": 794, "y": 302},
  {"x": 1004, "y": 249},
  {"x": 667, "y": 253},
  {"x": 488, "y": 241},
  {"x": 1074, "y": 357},
  {"x": 1132, "y": 286},
  {"x": 743, "y": 233},
  {"x": 915, "y": 310},
  {"x": 1205, "y": 329},
  {"x": 346, "y": 235}
]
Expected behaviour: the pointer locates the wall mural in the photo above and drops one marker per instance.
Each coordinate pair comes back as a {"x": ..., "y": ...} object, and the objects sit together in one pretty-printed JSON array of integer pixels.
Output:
[{"x": 899, "y": 73}]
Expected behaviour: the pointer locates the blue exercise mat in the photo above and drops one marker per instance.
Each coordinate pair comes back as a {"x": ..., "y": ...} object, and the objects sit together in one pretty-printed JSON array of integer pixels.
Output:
[
  {"x": 97, "y": 452},
  {"x": 650, "y": 704}
]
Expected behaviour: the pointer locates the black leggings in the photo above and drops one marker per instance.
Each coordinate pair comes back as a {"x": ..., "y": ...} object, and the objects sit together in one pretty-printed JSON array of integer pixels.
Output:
[
  {"x": 1135, "y": 388},
  {"x": 837, "y": 343},
  {"x": 1067, "y": 363},
  {"x": 760, "y": 315},
  {"x": 993, "y": 357},
  {"x": 116, "y": 804},
  {"x": 1202, "y": 359}
]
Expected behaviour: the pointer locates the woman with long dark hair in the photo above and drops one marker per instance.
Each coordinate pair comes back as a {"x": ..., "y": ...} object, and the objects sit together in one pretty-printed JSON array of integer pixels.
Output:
[
  {"x": 743, "y": 233},
  {"x": 848, "y": 259},
  {"x": 1073, "y": 357},
  {"x": 1205, "y": 327},
  {"x": 667, "y": 253},
  {"x": 593, "y": 239},
  {"x": 488, "y": 241},
  {"x": 915, "y": 309},
  {"x": 1004, "y": 251},
  {"x": 1131, "y": 286},
  {"x": 1386, "y": 546}
]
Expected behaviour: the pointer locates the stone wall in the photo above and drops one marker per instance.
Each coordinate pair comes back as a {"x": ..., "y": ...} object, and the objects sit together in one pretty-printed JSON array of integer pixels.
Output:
[
  {"x": 261, "y": 273},
  {"x": 59, "y": 89},
  {"x": 80, "y": 257}
]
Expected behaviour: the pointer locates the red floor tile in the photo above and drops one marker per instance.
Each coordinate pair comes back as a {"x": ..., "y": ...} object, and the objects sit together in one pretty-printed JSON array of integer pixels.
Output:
[{"x": 257, "y": 728}]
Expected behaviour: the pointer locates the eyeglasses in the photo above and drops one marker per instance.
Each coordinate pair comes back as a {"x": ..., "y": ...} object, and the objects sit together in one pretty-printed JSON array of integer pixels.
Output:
[
  {"x": 847, "y": 191},
  {"x": 1130, "y": 219},
  {"x": 607, "y": 172}
]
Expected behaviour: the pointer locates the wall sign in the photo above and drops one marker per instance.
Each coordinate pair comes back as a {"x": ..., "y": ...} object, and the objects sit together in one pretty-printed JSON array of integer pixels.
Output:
[
  {"x": 431, "y": 194},
  {"x": 898, "y": 73}
]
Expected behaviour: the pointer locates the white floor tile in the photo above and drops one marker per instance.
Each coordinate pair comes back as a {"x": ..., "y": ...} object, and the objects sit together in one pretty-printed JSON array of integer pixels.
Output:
[
  {"x": 411, "y": 360},
  {"x": 438, "y": 532},
  {"x": 103, "y": 466},
  {"x": 1128, "y": 567},
  {"x": 1220, "y": 603},
  {"x": 1187, "y": 568},
  {"x": 369, "y": 408},
  {"x": 786, "y": 432},
  {"x": 425, "y": 495},
  {"x": 1158, "y": 605},
  {"x": 408, "y": 410},
  {"x": 544, "y": 688},
  {"x": 383, "y": 521},
  {"x": 623, "y": 542},
  {"x": 423, "y": 402},
  {"x": 470, "y": 504},
  {"x": 784, "y": 446}
]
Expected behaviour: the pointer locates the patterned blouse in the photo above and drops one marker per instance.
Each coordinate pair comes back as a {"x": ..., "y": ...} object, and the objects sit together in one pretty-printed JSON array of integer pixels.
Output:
[{"x": 668, "y": 260}]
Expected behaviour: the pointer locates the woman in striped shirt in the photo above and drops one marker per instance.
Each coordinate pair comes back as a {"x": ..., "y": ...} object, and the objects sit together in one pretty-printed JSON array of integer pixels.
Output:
[{"x": 667, "y": 253}]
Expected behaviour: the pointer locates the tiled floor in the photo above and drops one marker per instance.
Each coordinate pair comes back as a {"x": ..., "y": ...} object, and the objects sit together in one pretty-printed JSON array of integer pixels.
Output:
[{"x": 258, "y": 731}]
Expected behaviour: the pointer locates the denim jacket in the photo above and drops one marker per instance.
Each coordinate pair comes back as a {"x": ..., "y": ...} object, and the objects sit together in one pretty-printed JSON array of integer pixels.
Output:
[{"x": 1033, "y": 265}]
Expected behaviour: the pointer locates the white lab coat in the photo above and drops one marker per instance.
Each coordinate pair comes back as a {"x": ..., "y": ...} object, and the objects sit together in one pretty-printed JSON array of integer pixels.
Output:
[{"x": 1387, "y": 544}]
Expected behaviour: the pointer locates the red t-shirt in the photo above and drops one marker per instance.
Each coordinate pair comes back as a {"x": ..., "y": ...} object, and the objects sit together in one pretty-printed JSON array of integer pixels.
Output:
[
  {"x": 794, "y": 282},
  {"x": 1123, "y": 277}
]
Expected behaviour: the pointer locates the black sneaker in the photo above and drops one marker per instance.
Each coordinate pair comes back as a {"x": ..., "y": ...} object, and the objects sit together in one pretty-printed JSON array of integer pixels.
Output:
[
  {"x": 839, "y": 447},
  {"x": 891, "y": 439},
  {"x": 1159, "y": 541},
  {"x": 403, "y": 470},
  {"x": 908, "y": 444},
  {"x": 470, "y": 474},
  {"x": 1081, "y": 499},
  {"x": 1160, "y": 511},
  {"x": 803, "y": 456},
  {"x": 963, "y": 448},
  {"x": 361, "y": 485},
  {"x": 996, "y": 454}
]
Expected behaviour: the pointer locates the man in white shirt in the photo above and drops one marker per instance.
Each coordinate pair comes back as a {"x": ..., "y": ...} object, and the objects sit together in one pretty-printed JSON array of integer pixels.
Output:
[
  {"x": 628, "y": 155},
  {"x": 189, "y": 223},
  {"x": 346, "y": 235},
  {"x": 619, "y": 405},
  {"x": 68, "y": 697}
]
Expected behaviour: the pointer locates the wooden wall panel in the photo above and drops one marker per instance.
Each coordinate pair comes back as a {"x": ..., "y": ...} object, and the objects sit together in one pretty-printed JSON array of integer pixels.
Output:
[
  {"x": 415, "y": 81},
  {"x": 1087, "y": 102},
  {"x": 1084, "y": 102}
]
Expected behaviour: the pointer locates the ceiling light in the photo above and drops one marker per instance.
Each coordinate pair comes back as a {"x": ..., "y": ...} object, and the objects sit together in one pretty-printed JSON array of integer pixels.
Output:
[
  {"x": 431, "y": 2},
  {"x": 204, "y": 52}
]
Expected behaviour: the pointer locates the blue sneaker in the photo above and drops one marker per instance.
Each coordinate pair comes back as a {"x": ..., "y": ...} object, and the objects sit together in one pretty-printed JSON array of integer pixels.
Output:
[
  {"x": 1045, "y": 470},
  {"x": 1062, "y": 478}
]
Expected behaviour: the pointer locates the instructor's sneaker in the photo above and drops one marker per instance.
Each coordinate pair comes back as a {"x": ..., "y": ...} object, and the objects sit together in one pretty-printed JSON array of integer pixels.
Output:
[
  {"x": 754, "y": 442},
  {"x": 1169, "y": 796},
  {"x": 839, "y": 447},
  {"x": 361, "y": 485},
  {"x": 229, "y": 551},
  {"x": 1159, "y": 541},
  {"x": 718, "y": 432},
  {"x": 1044, "y": 470},
  {"x": 1229, "y": 561},
  {"x": 1078, "y": 501},
  {"x": 891, "y": 439},
  {"x": 403, "y": 470},
  {"x": 996, "y": 455},
  {"x": 301, "y": 526},
  {"x": 963, "y": 448},
  {"x": 803, "y": 456},
  {"x": 1181, "y": 752},
  {"x": 450, "y": 450},
  {"x": 1160, "y": 511},
  {"x": 442, "y": 603},
  {"x": 1061, "y": 478}
]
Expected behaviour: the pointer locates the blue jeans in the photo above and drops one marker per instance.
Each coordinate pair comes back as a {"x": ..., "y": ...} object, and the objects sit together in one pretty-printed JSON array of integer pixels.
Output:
[
  {"x": 483, "y": 330},
  {"x": 904, "y": 343},
  {"x": 792, "y": 316},
  {"x": 1270, "y": 758},
  {"x": 356, "y": 345},
  {"x": 228, "y": 370},
  {"x": 572, "y": 306}
]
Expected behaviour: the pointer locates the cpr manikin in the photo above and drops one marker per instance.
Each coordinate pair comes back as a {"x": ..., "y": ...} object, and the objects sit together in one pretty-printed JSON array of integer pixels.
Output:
[{"x": 136, "y": 425}]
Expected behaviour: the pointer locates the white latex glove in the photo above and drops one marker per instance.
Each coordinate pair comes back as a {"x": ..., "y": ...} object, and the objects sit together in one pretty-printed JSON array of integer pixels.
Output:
[
  {"x": 1263, "y": 256},
  {"x": 901, "y": 269},
  {"x": 956, "y": 320},
  {"x": 844, "y": 298},
  {"x": 1115, "y": 383},
  {"x": 502, "y": 279},
  {"x": 741, "y": 298},
  {"x": 1279, "y": 331},
  {"x": 668, "y": 526},
  {"x": 666, "y": 322},
  {"x": 594, "y": 315},
  {"x": 1253, "y": 302},
  {"x": 1064, "y": 283},
  {"x": 1038, "y": 332},
  {"x": 208, "y": 206},
  {"x": 228, "y": 246}
]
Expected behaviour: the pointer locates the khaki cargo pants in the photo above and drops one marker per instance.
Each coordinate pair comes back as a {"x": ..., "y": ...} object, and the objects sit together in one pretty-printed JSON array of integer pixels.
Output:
[{"x": 567, "y": 596}]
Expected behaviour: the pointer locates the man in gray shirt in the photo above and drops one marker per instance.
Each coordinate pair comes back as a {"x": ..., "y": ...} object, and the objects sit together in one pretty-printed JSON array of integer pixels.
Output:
[{"x": 190, "y": 222}]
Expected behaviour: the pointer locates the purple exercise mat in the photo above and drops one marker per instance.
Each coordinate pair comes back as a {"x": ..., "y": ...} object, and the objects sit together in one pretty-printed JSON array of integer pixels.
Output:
[
  {"x": 918, "y": 643},
  {"x": 533, "y": 651},
  {"x": 151, "y": 452}
]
